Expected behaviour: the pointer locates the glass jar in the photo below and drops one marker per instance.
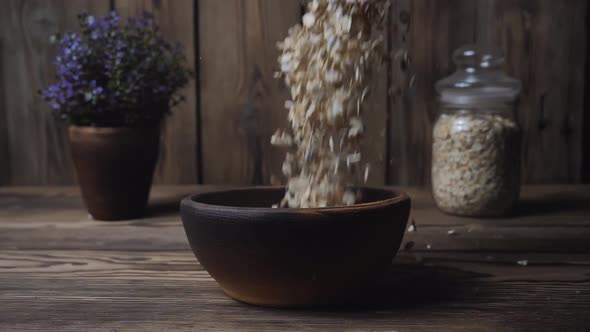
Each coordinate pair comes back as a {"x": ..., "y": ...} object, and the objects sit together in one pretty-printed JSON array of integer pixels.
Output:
[{"x": 476, "y": 138}]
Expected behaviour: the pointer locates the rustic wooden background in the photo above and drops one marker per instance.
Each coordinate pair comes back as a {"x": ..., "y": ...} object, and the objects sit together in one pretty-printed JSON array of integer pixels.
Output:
[{"x": 221, "y": 135}]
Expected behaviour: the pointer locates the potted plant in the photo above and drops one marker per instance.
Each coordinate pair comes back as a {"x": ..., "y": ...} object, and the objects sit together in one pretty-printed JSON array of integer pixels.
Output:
[{"x": 115, "y": 85}]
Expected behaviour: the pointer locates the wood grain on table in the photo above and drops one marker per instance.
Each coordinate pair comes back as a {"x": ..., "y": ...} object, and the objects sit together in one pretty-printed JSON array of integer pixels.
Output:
[{"x": 61, "y": 271}]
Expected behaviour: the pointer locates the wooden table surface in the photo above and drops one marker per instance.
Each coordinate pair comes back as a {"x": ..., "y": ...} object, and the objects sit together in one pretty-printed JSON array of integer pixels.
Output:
[{"x": 60, "y": 270}]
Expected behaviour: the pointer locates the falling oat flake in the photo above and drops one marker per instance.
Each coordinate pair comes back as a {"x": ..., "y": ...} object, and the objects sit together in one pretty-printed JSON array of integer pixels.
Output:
[{"x": 326, "y": 62}]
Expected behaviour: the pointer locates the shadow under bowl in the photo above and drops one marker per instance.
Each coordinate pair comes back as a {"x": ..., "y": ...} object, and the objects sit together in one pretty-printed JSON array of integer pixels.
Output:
[{"x": 294, "y": 257}]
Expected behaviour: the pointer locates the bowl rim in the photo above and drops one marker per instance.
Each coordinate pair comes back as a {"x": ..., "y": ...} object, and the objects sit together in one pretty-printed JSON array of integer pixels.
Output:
[{"x": 190, "y": 201}]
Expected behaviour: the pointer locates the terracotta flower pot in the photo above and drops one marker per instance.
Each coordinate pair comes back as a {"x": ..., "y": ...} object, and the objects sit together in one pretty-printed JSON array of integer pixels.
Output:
[{"x": 115, "y": 167}]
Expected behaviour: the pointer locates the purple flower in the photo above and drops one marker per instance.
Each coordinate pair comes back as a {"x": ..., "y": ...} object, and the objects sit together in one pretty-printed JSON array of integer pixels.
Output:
[
  {"x": 98, "y": 90},
  {"x": 113, "y": 74}
]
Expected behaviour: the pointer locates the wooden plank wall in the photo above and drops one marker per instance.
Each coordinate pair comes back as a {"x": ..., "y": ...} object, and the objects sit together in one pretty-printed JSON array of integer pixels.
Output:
[
  {"x": 33, "y": 148},
  {"x": 221, "y": 135}
]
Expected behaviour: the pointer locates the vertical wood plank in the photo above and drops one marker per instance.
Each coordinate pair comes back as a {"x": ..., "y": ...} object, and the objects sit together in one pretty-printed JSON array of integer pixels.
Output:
[
  {"x": 376, "y": 113},
  {"x": 485, "y": 14},
  {"x": 586, "y": 122},
  {"x": 399, "y": 92},
  {"x": 178, "y": 153},
  {"x": 241, "y": 102},
  {"x": 545, "y": 48},
  {"x": 430, "y": 31},
  {"x": 37, "y": 149},
  {"x": 4, "y": 152},
  {"x": 375, "y": 118}
]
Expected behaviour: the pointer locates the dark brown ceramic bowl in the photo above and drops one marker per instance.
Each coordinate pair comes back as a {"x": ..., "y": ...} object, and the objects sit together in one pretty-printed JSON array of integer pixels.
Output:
[{"x": 294, "y": 257}]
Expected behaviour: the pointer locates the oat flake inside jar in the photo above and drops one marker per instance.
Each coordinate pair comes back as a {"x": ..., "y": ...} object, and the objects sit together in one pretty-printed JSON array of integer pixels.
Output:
[{"x": 476, "y": 139}]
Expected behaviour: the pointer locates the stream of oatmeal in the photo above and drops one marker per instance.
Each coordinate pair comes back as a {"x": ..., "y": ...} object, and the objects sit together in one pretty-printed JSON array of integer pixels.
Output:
[{"x": 326, "y": 63}]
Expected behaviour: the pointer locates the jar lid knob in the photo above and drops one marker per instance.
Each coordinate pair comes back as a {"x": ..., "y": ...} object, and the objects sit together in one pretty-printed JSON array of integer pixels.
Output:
[{"x": 471, "y": 56}]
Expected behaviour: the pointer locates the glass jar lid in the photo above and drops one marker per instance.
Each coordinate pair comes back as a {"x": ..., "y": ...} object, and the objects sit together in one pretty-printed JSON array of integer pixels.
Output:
[{"x": 478, "y": 79}]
